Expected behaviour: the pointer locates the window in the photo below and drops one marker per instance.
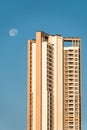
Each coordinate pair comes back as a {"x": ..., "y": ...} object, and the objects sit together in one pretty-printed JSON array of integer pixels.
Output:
[
  {"x": 71, "y": 127},
  {"x": 70, "y": 71},
  {"x": 70, "y": 112},
  {"x": 71, "y": 109},
  {"x": 71, "y": 96},
  {"x": 76, "y": 88},
  {"x": 76, "y": 63},
  {"x": 76, "y": 84},
  {"x": 70, "y": 92},
  {"x": 71, "y": 63},
  {"x": 70, "y": 67},
  {"x": 71, "y": 55},
  {"x": 71, "y": 84},
  {"x": 76, "y": 59},
  {"x": 70, "y": 58},
  {"x": 76, "y": 55},
  {"x": 70, "y": 50},
  {"x": 76, "y": 100},
  {"x": 76, "y": 51},
  {"x": 70, "y": 101},
  {"x": 70, "y": 88},
  {"x": 76, "y": 71},
  {"x": 65, "y": 55},
  {"x": 70, "y": 105},
  {"x": 70, "y": 123}
]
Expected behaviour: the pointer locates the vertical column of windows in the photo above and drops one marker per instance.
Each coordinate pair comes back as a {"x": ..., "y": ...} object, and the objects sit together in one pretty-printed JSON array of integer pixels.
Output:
[
  {"x": 50, "y": 107},
  {"x": 31, "y": 95},
  {"x": 77, "y": 92},
  {"x": 71, "y": 72}
]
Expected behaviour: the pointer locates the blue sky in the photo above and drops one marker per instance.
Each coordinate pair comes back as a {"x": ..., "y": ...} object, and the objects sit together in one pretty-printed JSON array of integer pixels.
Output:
[{"x": 68, "y": 18}]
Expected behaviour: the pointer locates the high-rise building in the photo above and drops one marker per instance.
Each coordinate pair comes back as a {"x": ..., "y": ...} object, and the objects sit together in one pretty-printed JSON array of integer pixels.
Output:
[{"x": 54, "y": 83}]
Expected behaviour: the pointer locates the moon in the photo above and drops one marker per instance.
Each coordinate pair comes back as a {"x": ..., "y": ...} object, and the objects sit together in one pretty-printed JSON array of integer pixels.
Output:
[{"x": 13, "y": 32}]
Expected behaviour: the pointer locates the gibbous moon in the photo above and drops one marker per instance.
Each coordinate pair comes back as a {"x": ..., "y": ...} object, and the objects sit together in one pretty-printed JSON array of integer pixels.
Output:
[{"x": 13, "y": 32}]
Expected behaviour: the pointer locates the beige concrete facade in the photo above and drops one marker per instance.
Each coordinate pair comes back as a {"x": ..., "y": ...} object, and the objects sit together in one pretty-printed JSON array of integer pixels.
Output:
[{"x": 54, "y": 83}]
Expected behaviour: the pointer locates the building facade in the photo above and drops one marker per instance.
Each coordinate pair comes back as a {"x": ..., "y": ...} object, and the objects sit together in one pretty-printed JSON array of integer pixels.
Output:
[{"x": 54, "y": 83}]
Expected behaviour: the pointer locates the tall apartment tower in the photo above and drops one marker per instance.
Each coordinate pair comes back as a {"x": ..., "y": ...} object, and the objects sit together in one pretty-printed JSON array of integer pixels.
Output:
[{"x": 54, "y": 83}]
